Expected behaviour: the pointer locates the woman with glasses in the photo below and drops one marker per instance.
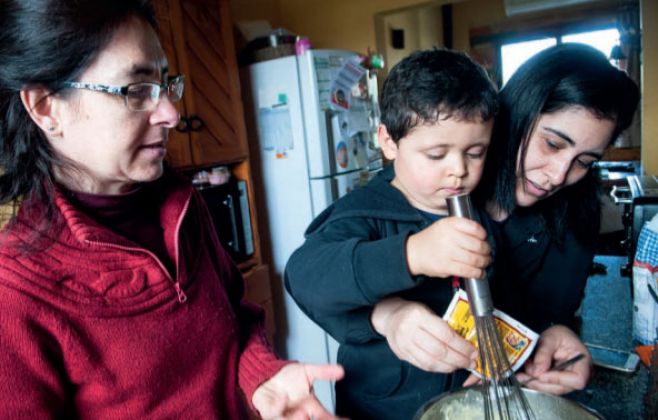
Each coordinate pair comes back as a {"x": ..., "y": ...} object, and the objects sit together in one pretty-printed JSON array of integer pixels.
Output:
[{"x": 116, "y": 300}]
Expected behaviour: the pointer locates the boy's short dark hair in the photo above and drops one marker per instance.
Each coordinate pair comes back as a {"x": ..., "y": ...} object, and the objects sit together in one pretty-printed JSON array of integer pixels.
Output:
[{"x": 435, "y": 84}]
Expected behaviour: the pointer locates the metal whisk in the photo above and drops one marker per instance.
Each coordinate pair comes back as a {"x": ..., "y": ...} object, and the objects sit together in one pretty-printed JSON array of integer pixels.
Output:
[{"x": 502, "y": 394}]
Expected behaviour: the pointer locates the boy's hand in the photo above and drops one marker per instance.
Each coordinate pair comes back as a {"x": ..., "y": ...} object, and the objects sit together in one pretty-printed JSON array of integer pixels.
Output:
[
  {"x": 416, "y": 335},
  {"x": 451, "y": 246}
]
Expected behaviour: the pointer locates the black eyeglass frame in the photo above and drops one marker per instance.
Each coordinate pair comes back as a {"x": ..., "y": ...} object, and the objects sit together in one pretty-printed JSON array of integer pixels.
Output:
[{"x": 123, "y": 91}]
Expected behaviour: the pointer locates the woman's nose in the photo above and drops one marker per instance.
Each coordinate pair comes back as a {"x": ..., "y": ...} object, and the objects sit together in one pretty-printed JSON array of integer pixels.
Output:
[
  {"x": 165, "y": 113},
  {"x": 558, "y": 171}
]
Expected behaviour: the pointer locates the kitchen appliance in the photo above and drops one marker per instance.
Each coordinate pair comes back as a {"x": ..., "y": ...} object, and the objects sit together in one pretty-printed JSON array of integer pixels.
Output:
[
  {"x": 313, "y": 119},
  {"x": 640, "y": 201},
  {"x": 229, "y": 209},
  {"x": 611, "y": 173}
]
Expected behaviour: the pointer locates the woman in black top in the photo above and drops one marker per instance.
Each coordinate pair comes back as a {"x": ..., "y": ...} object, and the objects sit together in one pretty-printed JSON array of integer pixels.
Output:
[{"x": 559, "y": 113}]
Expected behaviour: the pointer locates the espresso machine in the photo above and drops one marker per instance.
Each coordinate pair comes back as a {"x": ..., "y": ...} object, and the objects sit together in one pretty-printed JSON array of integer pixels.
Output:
[{"x": 640, "y": 200}]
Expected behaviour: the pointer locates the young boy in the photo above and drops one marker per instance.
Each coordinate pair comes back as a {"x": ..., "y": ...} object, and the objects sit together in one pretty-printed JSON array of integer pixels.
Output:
[{"x": 373, "y": 256}]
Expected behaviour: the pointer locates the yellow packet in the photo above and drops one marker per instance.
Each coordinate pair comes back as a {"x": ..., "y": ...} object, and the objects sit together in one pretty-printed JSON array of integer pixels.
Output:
[{"x": 518, "y": 340}]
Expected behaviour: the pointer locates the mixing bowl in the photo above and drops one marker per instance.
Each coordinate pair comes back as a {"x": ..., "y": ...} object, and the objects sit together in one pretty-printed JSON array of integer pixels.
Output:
[{"x": 468, "y": 404}]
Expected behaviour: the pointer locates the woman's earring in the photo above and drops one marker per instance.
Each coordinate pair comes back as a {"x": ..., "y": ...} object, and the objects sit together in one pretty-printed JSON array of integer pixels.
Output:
[{"x": 51, "y": 125}]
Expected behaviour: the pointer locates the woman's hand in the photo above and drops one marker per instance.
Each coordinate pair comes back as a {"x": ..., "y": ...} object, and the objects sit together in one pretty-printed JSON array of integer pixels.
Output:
[
  {"x": 557, "y": 344},
  {"x": 289, "y": 393},
  {"x": 417, "y": 335},
  {"x": 451, "y": 246}
]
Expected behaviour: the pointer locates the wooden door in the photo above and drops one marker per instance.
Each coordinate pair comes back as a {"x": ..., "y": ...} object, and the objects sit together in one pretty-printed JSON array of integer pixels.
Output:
[
  {"x": 179, "y": 152},
  {"x": 206, "y": 54}
]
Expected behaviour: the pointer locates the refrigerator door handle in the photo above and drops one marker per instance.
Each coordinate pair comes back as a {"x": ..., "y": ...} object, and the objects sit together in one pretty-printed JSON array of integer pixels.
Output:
[
  {"x": 335, "y": 193},
  {"x": 329, "y": 116}
]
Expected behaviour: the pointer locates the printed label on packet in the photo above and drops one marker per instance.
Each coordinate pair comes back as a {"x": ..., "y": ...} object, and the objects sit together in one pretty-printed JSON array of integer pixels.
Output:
[{"x": 518, "y": 340}]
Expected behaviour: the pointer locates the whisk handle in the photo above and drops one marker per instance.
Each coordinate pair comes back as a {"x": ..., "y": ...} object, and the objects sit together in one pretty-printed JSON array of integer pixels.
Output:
[
  {"x": 479, "y": 294},
  {"x": 460, "y": 206}
]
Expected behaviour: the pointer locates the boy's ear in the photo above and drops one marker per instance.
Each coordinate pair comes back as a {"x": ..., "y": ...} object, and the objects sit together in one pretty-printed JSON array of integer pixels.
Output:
[
  {"x": 388, "y": 145},
  {"x": 42, "y": 108}
]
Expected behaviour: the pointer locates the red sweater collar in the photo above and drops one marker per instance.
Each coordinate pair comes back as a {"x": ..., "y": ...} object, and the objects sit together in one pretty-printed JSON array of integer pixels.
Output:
[{"x": 85, "y": 229}]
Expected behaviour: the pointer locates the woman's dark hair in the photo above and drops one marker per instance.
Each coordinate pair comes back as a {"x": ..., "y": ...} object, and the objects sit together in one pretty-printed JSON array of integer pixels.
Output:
[
  {"x": 435, "y": 84},
  {"x": 44, "y": 43},
  {"x": 559, "y": 77}
]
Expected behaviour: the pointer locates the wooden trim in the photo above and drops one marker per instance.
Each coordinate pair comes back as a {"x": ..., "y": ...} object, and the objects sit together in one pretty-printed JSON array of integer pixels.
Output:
[
  {"x": 622, "y": 154},
  {"x": 553, "y": 24}
]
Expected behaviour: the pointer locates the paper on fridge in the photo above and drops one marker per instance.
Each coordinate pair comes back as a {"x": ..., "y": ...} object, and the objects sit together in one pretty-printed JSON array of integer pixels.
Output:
[
  {"x": 518, "y": 340},
  {"x": 347, "y": 78}
]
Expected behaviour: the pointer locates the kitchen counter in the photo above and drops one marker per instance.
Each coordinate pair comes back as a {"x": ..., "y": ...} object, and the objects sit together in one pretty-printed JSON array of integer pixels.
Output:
[{"x": 606, "y": 315}]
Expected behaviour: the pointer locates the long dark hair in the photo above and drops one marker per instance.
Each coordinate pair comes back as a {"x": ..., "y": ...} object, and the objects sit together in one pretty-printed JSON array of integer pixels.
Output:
[
  {"x": 44, "y": 43},
  {"x": 435, "y": 84},
  {"x": 559, "y": 77}
]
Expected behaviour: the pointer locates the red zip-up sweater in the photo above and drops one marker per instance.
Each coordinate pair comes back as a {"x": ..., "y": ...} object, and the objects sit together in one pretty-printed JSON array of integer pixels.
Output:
[{"x": 93, "y": 326}]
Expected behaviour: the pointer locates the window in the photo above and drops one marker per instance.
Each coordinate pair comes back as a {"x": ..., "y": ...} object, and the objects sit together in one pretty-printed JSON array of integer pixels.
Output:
[{"x": 513, "y": 54}]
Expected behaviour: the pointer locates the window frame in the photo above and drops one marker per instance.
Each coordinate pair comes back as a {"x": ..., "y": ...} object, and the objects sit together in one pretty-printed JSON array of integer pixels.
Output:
[{"x": 493, "y": 37}]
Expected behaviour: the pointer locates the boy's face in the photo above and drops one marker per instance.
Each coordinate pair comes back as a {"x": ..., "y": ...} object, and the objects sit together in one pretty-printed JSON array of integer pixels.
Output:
[{"x": 438, "y": 160}]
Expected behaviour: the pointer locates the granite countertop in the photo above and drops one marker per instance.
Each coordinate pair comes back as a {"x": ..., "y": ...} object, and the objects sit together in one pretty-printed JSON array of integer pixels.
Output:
[{"x": 606, "y": 315}]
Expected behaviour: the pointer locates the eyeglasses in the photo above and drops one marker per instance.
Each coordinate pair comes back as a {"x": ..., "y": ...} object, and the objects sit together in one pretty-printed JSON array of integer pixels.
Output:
[{"x": 142, "y": 96}]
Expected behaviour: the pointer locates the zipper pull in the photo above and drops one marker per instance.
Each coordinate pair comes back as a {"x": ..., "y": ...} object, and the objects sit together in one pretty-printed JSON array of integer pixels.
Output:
[{"x": 182, "y": 297}]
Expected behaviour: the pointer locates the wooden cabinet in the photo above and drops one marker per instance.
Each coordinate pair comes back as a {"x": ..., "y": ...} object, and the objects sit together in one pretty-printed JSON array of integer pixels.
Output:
[{"x": 197, "y": 37}]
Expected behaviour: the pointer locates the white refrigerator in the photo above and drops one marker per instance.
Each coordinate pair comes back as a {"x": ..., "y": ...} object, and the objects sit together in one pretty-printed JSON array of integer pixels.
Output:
[{"x": 315, "y": 117}]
